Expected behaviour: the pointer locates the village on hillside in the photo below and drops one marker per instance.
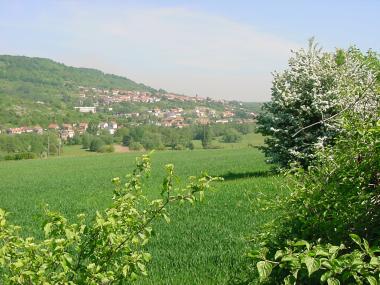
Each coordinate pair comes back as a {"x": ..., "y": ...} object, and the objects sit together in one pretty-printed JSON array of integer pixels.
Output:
[{"x": 103, "y": 100}]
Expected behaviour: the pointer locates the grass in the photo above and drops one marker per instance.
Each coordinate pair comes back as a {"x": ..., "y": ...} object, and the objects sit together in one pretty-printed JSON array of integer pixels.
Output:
[{"x": 202, "y": 245}]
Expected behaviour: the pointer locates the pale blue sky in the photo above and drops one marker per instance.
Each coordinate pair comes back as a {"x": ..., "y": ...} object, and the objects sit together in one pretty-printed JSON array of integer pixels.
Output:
[{"x": 221, "y": 49}]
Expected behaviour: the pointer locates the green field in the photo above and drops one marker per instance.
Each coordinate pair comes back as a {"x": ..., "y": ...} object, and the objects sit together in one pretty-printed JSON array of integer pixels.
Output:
[{"x": 202, "y": 245}]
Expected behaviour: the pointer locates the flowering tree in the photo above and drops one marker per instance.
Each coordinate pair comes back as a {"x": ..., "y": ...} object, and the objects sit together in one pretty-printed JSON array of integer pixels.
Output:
[{"x": 309, "y": 97}]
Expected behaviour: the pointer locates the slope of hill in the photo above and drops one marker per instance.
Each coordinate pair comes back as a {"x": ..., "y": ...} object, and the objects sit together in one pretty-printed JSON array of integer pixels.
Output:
[
  {"x": 38, "y": 90},
  {"x": 46, "y": 72}
]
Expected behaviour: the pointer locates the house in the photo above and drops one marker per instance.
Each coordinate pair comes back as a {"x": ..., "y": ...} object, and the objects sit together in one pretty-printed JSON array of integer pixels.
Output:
[
  {"x": 228, "y": 114},
  {"x": 53, "y": 126},
  {"x": 103, "y": 125},
  {"x": 86, "y": 109},
  {"x": 177, "y": 122},
  {"x": 66, "y": 134},
  {"x": 82, "y": 127},
  {"x": 14, "y": 131},
  {"x": 67, "y": 127},
  {"x": 170, "y": 115},
  {"x": 38, "y": 129},
  {"x": 113, "y": 125},
  {"x": 203, "y": 121},
  {"x": 27, "y": 130}
]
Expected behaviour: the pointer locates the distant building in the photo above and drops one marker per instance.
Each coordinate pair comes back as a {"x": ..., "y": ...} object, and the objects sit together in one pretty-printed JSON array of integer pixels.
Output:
[
  {"x": 86, "y": 109},
  {"x": 66, "y": 134},
  {"x": 82, "y": 127},
  {"x": 228, "y": 114},
  {"x": 103, "y": 125},
  {"x": 203, "y": 121},
  {"x": 53, "y": 126},
  {"x": 38, "y": 129},
  {"x": 113, "y": 125},
  {"x": 14, "y": 131}
]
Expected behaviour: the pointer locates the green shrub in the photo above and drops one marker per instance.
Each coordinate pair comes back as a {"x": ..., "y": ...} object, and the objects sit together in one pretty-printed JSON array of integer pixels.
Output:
[
  {"x": 231, "y": 136},
  {"x": 304, "y": 263},
  {"x": 190, "y": 145},
  {"x": 107, "y": 148},
  {"x": 136, "y": 146},
  {"x": 179, "y": 147},
  {"x": 20, "y": 156},
  {"x": 96, "y": 144},
  {"x": 337, "y": 194}
]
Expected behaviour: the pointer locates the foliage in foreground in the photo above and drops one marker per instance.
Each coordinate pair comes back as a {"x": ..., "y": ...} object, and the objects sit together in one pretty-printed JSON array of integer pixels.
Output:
[
  {"x": 335, "y": 191},
  {"x": 108, "y": 250},
  {"x": 339, "y": 194},
  {"x": 304, "y": 263}
]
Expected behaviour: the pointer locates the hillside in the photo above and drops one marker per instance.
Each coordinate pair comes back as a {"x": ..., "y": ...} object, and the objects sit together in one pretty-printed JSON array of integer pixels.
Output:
[
  {"x": 38, "y": 90},
  {"x": 48, "y": 73}
]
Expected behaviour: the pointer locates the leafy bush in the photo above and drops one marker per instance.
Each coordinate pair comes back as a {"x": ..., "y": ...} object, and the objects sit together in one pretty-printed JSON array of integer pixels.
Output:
[
  {"x": 86, "y": 140},
  {"x": 107, "y": 148},
  {"x": 152, "y": 141},
  {"x": 304, "y": 263},
  {"x": 20, "y": 156},
  {"x": 231, "y": 136},
  {"x": 110, "y": 249},
  {"x": 96, "y": 144},
  {"x": 127, "y": 140},
  {"x": 179, "y": 147},
  {"x": 190, "y": 145},
  {"x": 337, "y": 194},
  {"x": 135, "y": 146}
]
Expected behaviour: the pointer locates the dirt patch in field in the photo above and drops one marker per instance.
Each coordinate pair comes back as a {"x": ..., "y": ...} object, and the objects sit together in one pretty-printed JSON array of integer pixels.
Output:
[{"x": 121, "y": 149}]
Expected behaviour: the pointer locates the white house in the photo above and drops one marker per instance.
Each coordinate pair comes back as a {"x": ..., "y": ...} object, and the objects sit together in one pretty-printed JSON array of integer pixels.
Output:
[{"x": 86, "y": 109}]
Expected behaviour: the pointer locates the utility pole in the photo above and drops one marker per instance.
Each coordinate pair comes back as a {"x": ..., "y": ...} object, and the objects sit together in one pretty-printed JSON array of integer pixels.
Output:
[{"x": 48, "y": 147}]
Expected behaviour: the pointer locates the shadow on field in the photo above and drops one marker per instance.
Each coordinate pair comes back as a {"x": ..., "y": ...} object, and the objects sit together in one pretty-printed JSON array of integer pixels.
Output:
[{"x": 243, "y": 175}]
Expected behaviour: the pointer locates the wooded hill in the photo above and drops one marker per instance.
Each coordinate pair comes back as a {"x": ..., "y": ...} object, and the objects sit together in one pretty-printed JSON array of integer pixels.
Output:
[{"x": 25, "y": 82}]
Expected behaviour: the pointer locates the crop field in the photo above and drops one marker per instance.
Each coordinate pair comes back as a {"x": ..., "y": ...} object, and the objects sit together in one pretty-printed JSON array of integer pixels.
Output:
[{"x": 203, "y": 244}]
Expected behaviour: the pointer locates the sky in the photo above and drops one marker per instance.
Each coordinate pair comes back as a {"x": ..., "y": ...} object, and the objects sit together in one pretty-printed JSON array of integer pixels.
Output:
[{"x": 220, "y": 49}]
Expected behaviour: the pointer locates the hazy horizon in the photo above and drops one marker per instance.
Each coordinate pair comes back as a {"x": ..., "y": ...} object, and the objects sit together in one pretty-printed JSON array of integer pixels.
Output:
[{"x": 215, "y": 49}]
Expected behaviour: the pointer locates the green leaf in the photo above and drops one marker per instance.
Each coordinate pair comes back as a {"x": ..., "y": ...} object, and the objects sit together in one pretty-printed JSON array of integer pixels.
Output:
[
  {"x": 312, "y": 264},
  {"x": 201, "y": 196},
  {"x": 47, "y": 229},
  {"x": 167, "y": 219},
  {"x": 147, "y": 256},
  {"x": 326, "y": 276},
  {"x": 265, "y": 269},
  {"x": 279, "y": 253},
  {"x": 289, "y": 280},
  {"x": 356, "y": 239},
  {"x": 333, "y": 281},
  {"x": 374, "y": 261},
  {"x": 302, "y": 243},
  {"x": 372, "y": 280}
]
